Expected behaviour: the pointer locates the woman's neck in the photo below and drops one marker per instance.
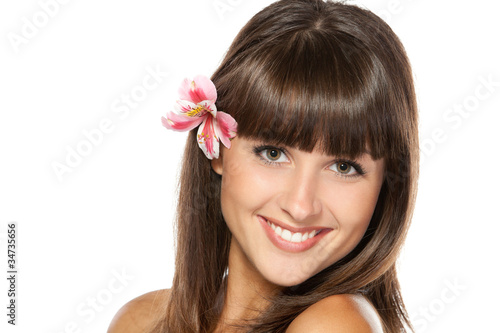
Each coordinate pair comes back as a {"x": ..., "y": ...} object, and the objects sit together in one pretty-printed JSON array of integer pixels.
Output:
[{"x": 246, "y": 292}]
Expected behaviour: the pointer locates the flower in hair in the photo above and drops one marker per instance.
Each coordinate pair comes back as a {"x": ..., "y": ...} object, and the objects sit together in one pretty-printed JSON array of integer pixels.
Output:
[{"x": 197, "y": 106}]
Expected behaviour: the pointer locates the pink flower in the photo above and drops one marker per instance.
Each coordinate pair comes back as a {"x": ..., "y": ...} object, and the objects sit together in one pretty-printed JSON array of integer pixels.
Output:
[{"x": 197, "y": 106}]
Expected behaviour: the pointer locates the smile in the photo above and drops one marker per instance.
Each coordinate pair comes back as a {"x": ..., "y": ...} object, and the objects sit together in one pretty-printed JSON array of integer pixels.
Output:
[
  {"x": 287, "y": 235},
  {"x": 292, "y": 239}
]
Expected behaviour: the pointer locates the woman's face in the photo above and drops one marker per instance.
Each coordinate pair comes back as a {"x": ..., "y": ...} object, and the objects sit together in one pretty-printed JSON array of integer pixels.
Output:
[{"x": 293, "y": 213}]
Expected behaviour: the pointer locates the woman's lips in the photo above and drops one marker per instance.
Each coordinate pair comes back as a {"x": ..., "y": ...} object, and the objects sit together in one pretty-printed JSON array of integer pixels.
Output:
[{"x": 292, "y": 239}]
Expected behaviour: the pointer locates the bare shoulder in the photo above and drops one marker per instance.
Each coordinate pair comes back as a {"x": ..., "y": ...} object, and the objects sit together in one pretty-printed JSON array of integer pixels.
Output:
[
  {"x": 140, "y": 313},
  {"x": 339, "y": 314}
]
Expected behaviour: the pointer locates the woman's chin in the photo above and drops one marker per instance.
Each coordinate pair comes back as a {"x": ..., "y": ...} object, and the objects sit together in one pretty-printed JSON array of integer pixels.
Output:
[{"x": 285, "y": 278}]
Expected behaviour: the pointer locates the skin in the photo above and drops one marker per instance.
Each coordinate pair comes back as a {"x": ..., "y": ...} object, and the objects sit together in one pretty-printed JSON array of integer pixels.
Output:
[
  {"x": 300, "y": 189},
  {"x": 138, "y": 314}
]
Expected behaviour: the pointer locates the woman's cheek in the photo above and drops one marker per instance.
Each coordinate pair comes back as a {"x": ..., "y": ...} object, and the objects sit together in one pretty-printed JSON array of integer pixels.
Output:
[{"x": 248, "y": 181}]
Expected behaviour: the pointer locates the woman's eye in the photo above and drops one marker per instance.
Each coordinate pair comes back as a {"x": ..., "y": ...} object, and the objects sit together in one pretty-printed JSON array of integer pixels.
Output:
[
  {"x": 344, "y": 168},
  {"x": 273, "y": 155}
]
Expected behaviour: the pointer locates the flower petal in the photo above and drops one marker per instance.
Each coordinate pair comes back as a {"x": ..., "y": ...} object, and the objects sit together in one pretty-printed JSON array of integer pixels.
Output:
[
  {"x": 207, "y": 139},
  {"x": 178, "y": 122},
  {"x": 199, "y": 89},
  {"x": 183, "y": 106},
  {"x": 210, "y": 106},
  {"x": 225, "y": 128}
]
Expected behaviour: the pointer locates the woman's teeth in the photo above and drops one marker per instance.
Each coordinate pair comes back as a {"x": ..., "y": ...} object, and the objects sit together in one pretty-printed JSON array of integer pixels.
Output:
[{"x": 287, "y": 235}]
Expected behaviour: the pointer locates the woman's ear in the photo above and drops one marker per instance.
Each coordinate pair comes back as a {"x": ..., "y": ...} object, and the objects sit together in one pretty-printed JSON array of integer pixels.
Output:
[{"x": 217, "y": 164}]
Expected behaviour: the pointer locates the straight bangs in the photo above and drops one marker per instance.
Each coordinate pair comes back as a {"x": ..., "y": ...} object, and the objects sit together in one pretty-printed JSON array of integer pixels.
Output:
[{"x": 311, "y": 92}]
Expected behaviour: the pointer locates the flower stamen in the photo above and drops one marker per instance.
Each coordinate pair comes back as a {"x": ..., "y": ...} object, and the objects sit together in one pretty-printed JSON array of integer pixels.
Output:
[{"x": 198, "y": 111}]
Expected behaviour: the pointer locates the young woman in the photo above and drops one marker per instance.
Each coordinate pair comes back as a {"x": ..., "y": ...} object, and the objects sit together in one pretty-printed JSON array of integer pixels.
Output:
[{"x": 296, "y": 224}]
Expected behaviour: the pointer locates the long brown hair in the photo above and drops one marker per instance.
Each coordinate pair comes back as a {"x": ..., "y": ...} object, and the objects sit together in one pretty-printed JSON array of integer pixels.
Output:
[{"x": 302, "y": 73}]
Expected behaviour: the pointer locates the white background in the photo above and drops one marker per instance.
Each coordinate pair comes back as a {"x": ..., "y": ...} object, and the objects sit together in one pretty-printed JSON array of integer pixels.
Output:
[{"x": 112, "y": 214}]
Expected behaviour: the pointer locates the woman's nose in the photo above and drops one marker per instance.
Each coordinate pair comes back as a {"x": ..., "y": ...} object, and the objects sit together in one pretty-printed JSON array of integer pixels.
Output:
[{"x": 299, "y": 198}]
